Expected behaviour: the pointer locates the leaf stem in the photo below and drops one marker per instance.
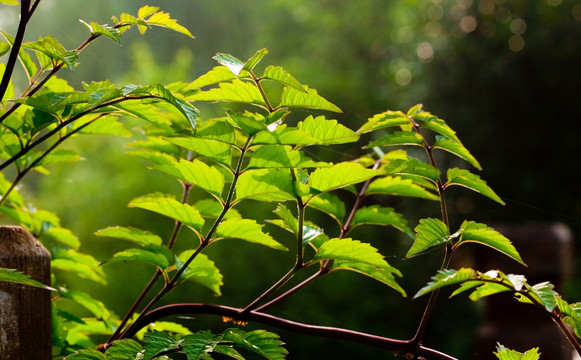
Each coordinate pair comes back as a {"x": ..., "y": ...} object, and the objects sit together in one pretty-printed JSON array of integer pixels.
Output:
[{"x": 262, "y": 92}]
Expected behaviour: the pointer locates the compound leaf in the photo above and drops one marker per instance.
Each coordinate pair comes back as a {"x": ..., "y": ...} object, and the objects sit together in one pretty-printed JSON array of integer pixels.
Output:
[
  {"x": 14, "y": 276},
  {"x": 281, "y": 156},
  {"x": 196, "y": 172},
  {"x": 457, "y": 149},
  {"x": 482, "y": 234},
  {"x": 383, "y": 216},
  {"x": 385, "y": 119},
  {"x": 248, "y": 230},
  {"x": 395, "y": 185},
  {"x": 398, "y": 138},
  {"x": 201, "y": 270},
  {"x": 331, "y": 205},
  {"x": 235, "y": 91},
  {"x": 171, "y": 208},
  {"x": 292, "y": 97},
  {"x": 429, "y": 233},
  {"x": 340, "y": 175},
  {"x": 265, "y": 185},
  {"x": 277, "y": 73},
  {"x": 465, "y": 178},
  {"x": 261, "y": 342},
  {"x": 502, "y": 353},
  {"x": 211, "y": 149},
  {"x": 134, "y": 235},
  {"x": 158, "y": 256},
  {"x": 157, "y": 342}
]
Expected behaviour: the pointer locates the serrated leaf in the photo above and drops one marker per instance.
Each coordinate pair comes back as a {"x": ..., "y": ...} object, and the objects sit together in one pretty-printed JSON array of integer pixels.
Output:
[
  {"x": 160, "y": 18},
  {"x": 212, "y": 208},
  {"x": 105, "y": 125},
  {"x": 228, "y": 351},
  {"x": 4, "y": 48},
  {"x": 202, "y": 270},
  {"x": 197, "y": 173},
  {"x": 398, "y": 138},
  {"x": 265, "y": 185},
  {"x": 96, "y": 307},
  {"x": 448, "y": 277},
  {"x": 502, "y": 353},
  {"x": 471, "y": 181},
  {"x": 437, "y": 125},
  {"x": 255, "y": 59},
  {"x": 14, "y": 276},
  {"x": 340, "y": 175},
  {"x": 247, "y": 230},
  {"x": 383, "y": 216},
  {"x": 171, "y": 208},
  {"x": 292, "y": 97},
  {"x": 27, "y": 62},
  {"x": 62, "y": 236},
  {"x": 218, "y": 130},
  {"x": 86, "y": 355},
  {"x": 395, "y": 185},
  {"x": 108, "y": 31},
  {"x": 190, "y": 112},
  {"x": 457, "y": 149},
  {"x": 281, "y": 156},
  {"x": 277, "y": 73},
  {"x": 158, "y": 256},
  {"x": 146, "y": 112},
  {"x": 429, "y": 233},
  {"x": 384, "y": 275},
  {"x": 289, "y": 220},
  {"x": 412, "y": 167},
  {"x": 197, "y": 346},
  {"x": 157, "y": 342},
  {"x": 134, "y": 235},
  {"x": 487, "y": 289},
  {"x": 250, "y": 123},
  {"x": 50, "y": 47},
  {"x": 123, "y": 350},
  {"x": 82, "y": 265},
  {"x": 413, "y": 111},
  {"x": 545, "y": 292},
  {"x": 235, "y": 91},
  {"x": 261, "y": 342},
  {"x": 146, "y": 11},
  {"x": 482, "y": 234},
  {"x": 217, "y": 75},
  {"x": 233, "y": 64},
  {"x": 384, "y": 120},
  {"x": 211, "y": 149},
  {"x": 331, "y": 205}
]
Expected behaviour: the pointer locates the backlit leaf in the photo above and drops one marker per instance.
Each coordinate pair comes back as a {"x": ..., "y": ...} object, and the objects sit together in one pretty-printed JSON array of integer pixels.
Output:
[
  {"x": 61, "y": 236},
  {"x": 190, "y": 112},
  {"x": 545, "y": 292},
  {"x": 108, "y": 31},
  {"x": 211, "y": 149},
  {"x": 381, "y": 274},
  {"x": 398, "y": 138},
  {"x": 395, "y": 185},
  {"x": 214, "y": 76},
  {"x": 412, "y": 167},
  {"x": 83, "y": 265},
  {"x": 436, "y": 124},
  {"x": 448, "y": 277},
  {"x": 201, "y": 270},
  {"x": 255, "y": 59},
  {"x": 385, "y": 119},
  {"x": 248, "y": 230},
  {"x": 429, "y": 233},
  {"x": 155, "y": 255},
  {"x": 160, "y": 18},
  {"x": 502, "y": 353},
  {"x": 14, "y": 276},
  {"x": 50, "y": 47},
  {"x": 233, "y": 64},
  {"x": 277, "y": 73},
  {"x": 383, "y": 216},
  {"x": 340, "y": 175},
  {"x": 471, "y": 181},
  {"x": 310, "y": 100},
  {"x": 134, "y": 235},
  {"x": 265, "y": 185},
  {"x": 457, "y": 149},
  {"x": 171, "y": 208},
  {"x": 235, "y": 91},
  {"x": 482, "y": 234},
  {"x": 197, "y": 173},
  {"x": 281, "y": 156},
  {"x": 218, "y": 130},
  {"x": 326, "y": 131},
  {"x": 249, "y": 123},
  {"x": 331, "y": 205},
  {"x": 96, "y": 307}
]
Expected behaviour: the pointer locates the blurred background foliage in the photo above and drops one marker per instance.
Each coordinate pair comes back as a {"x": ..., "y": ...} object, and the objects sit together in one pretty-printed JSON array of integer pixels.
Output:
[{"x": 505, "y": 74}]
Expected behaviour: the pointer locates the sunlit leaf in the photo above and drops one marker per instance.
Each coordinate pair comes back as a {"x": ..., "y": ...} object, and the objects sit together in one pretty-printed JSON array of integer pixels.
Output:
[
  {"x": 190, "y": 112},
  {"x": 381, "y": 274},
  {"x": 171, "y": 208},
  {"x": 412, "y": 167},
  {"x": 448, "y": 277},
  {"x": 503, "y": 353},
  {"x": 214, "y": 76},
  {"x": 160, "y": 18},
  {"x": 235, "y": 91},
  {"x": 429, "y": 233},
  {"x": 255, "y": 59},
  {"x": 61, "y": 236},
  {"x": 471, "y": 181},
  {"x": 96, "y": 307},
  {"x": 398, "y": 138},
  {"x": 395, "y": 185},
  {"x": 292, "y": 97},
  {"x": 155, "y": 255},
  {"x": 201, "y": 270},
  {"x": 457, "y": 149},
  {"x": 233, "y": 64},
  {"x": 134, "y": 235},
  {"x": 82, "y": 265},
  {"x": 211, "y": 149},
  {"x": 218, "y": 130},
  {"x": 197, "y": 173},
  {"x": 248, "y": 230},
  {"x": 331, "y": 205},
  {"x": 249, "y": 123},
  {"x": 340, "y": 175},
  {"x": 436, "y": 124},
  {"x": 383, "y": 120},
  {"x": 281, "y": 156},
  {"x": 50, "y": 47},
  {"x": 482, "y": 234},
  {"x": 383, "y": 216},
  {"x": 277, "y": 73},
  {"x": 108, "y": 31},
  {"x": 14, "y": 276},
  {"x": 545, "y": 292},
  {"x": 146, "y": 112},
  {"x": 265, "y": 185},
  {"x": 487, "y": 289},
  {"x": 261, "y": 342},
  {"x": 212, "y": 208}
]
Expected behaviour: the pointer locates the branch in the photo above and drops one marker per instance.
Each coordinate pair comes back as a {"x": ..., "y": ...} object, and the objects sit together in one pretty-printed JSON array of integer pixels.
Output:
[{"x": 402, "y": 346}]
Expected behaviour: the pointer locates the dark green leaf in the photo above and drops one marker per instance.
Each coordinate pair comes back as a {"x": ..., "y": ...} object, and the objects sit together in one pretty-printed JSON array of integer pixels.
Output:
[
  {"x": 261, "y": 342},
  {"x": 233, "y": 64},
  {"x": 429, "y": 233},
  {"x": 157, "y": 342},
  {"x": 197, "y": 346},
  {"x": 105, "y": 30},
  {"x": 14, "y": 276},
  {"x": 86, "y": 355},
  {"x": 125, "y": 349},
  {"x": 471, "y": 181},
  {"x": 190, "y": 112}
]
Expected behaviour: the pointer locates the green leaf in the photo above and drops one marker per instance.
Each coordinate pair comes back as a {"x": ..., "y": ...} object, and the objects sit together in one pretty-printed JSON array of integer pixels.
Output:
[
  {"x": 197, "y": 173},
  {"x": 502, "y": 353},
  {"x": 340, "y": 175},
  {"x": 448, "y": 277},
  {"x": 123, "y": 350},
  {"x": 398, "y": 138},
  {"x": 487, "y": 289},
  {"x": 233, "y": 64},
  {"x": 199, "y": 345},
  {"x": 201, "y": 270},
  {"x": 381, "y": 274},
  {"x": 414, "y": 110},
  {"x": 331, "y": 205},
  {"x": 384, "y": 120},
  {"x": 395, "y": 185},
  {"x": 4, "y": 48},
  {"x": 9, "y": 2},
  {"x": 457, "y": 149},
  {"x": 190, "y": 112},
  {"x": 27, "y": 62},
  {"x": 158, "y": 256},
  {"x": 429, "y": 233},
  {"x": 235, "y": 91},
  {"x": 265, "y": 185},
  {"x": 211, "y": 149},
  {"x": 481, "y": 234},
  {"x": 96, "y": 307},
  {"x": 249, "y": 123},
  {"x": 86, "y": 355},
  {"x": 261, "y": 342},
  {"x": 50, "y": 47},
  {"x": 137, "y": 236},
  {"x": 157, "y": 342},
  {"x": 105, "y": 125},
  {"x": 255, "y": 59},
  {"x": 216, "y": 75},
  {"x": 60, "y": 156},
  {"x": 83, "y": 265},
  {"x": 413, "y": 168},
  {"x": 545, "y": 293},
  {"x": 436, "y": 124},
  {"x": 471, "y": 181},
  {"x": 247, "y": 230},
  {"x": 281, "y": 156},
  {"x": 218, "y": 130},
  {"x": 289, "y": 220},
  {"x": 145, "y": 112},
  {"x": 383, "y": 216},
  {"x": 105, "y": 30},
  {"x": 277, "y": 73},
  {"x": 171, "y": 208},
  {"x": 61, "y": 236},
  {"x": 14, "y": 276},
  {"x": 228, "y": 351},
  {"x": 160, "y": 18},
  {"x": 212, "y": 209},
  {"x": 292, "y": 97}
]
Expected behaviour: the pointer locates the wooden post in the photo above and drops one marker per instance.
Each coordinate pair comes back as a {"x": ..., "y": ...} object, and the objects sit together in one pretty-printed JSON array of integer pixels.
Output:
[{"x": 25, "y": 311}]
